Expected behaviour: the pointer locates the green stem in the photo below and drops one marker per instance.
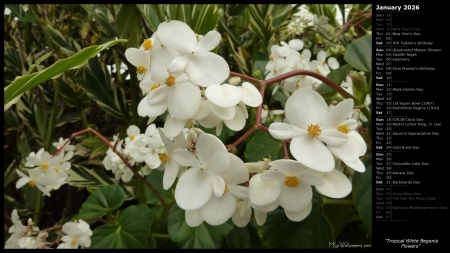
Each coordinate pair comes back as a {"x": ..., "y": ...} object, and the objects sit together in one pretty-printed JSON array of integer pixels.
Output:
[
  {"x": 327, "y": 201},
  {"x": 47, "y": 146},
  {"x": 164, "y": 236}
]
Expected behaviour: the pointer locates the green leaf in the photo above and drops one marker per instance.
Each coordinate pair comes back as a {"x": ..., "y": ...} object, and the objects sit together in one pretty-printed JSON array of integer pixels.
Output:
[
  {"x": 27, "y": 82},
  {"x": 359, "y": 53},
  {"x": 81, "y": 176},
  {"x": 338, "y": 215},
  {"x": 97, "y": 84},
  {"x": 203, "y": 236},
  {"x": 129, "y": 24},
  {"x": 153, "y": 14},
  {"x": 362, "y": 193},
  {"x": 104, "y": 200},
  {"x": 262, "y": 145},
  {"x": 312, "y": 232},
  {"x": 244, "y": 238},
  {"x": 204, "y": 18},
  {"x": 337, "y": 76},
  {"x": 131, "y": 231}
]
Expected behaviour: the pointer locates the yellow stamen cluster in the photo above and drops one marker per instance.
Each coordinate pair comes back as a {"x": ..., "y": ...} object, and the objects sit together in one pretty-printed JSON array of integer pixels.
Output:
[
  {"x": 344, "y": 128},
  {"x": 147, "y": 44},
  {"x": 132, "y": 137},
  {"x": 275, "y": 71},
  {"x": 291, "y": 182},
  {"x": 155, "y": 86},
  {"x": 163, "y": 157},
  {"x": 74, "y": 242},
  {"x": 170, "y": 80},
  {"x": 32, "y": 183},
  {"x": 44, "y": 166},
  {"x": 271, "y": 58},
  {"x": 140, "y": 69},
  {"x": 314, "y": 130},
  {"x": 226, "y": 188}
]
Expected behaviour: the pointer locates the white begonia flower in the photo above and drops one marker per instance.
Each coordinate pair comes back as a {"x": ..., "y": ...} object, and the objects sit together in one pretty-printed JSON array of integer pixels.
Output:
[
  {"x": 223, "y": 95},
  {"x": 218, "y": 209},
  {"x": 25, "y": 237},
  {"x": 299, "y": 215},
  {"x": 203, "y": 67},
  {"x": 174, "y": 93},
  {"x": 355, "y": 147},
  {"x": 43, "y": 181},
  {"x": 37, "y": 155},
  {"x": 134, "y": 133},
  {"x": 336, "y": 184},
  {"x": 233, "y": 117},
  {"x": 167, "y": 157},
  {"x": 78, "y": 234},
  {"x": 201, "y": 180},
  {"x": 322, "y": 65},
  {"x": 296, "y": 182},
  {"x": 305, "y": 111},
  {"x": 140, "y": 59},
  {"x": 61, "y": 142}
]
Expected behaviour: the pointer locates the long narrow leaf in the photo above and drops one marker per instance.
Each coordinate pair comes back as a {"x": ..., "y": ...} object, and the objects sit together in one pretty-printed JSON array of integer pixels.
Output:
[{"x": 24, "y": 83}]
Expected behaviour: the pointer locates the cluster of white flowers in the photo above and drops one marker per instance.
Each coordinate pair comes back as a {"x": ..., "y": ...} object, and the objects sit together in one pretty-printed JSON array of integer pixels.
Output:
[
  {"x": 183, "y": 77},
  {"x": 286, "y": 58},
  {"x": 48, "y": 172},
  {"x": 31, "y": 237}
]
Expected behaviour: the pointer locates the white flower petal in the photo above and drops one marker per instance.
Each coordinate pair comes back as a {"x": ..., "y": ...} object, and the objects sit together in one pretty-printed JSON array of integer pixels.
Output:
[
  {"x": 170, "y": 32},
  {"x": 218, "y": 209},
  {"x": 237, "y": 123},
  {"x": 208, "y": 42},
  {"x": 172, "y": 127},
  {"x": 242, "y": 215},
  {"x": 161, "y": 58},
  {"x": 338, "y": 114},
  {"x": 137, "y": 57},
  {"x": 145, "y": 109},
  {"x": 272, "y": 176},
  {"x": 157, "y": 96},
  {"x": 321, "y": 56},
  {"x": 193, "y": 189},
  {"x": 312, "y": 153},
  {"x": 312, "y": 177},
  {"x": 357, "y": 165},
  {"x": 251, "y": 95},
  {"x": 305, "y": 107},
  {"x": 223, "y": 113},
  {"x": 183, "y": 101},
  {"x": 260, "y": 217},
  {"x": 202, "y": 112},
  {"x": 178, "y": 65},
  {"x": 212, "y": 153},
  {"x": 346, "y": 152},
  {"x": 185, "y": 158},
  {"x": 336, "y": 185},
  {"x": 263, "y": 193},
  {"x": 21, "y": 182},
  {"x": 283, "y": 131},
  {"x": 170, "y": 174},
  {"x": 289, "y": 167},
  {"x": 210, "y": 121},
  {"x": 333, "y": 63},
  {"x": 207, "y": 68},
  {"x": 296, "y": 44},
  {"x": 333, "y": 137},
  {"x": 193, "y": 218},
  {"x": 237, "y": 172},
  {"x": 299, "y": 215},
  {"x": 267, "y": 208},
  {"x": 358, "y": 139},
  {"x": 238, "y": 191},
  {"x": 224, "y": 95},
  {"x": 217, "y": 182},
  {"x": 295, "y": 198}
]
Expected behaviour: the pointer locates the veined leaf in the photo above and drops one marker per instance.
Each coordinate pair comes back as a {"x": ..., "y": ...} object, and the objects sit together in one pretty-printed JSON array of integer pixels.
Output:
[
  {"x": 27, "y": 82},
  {"x": 359, "y": 53},
  {"x": 203, "y": 236},
  {"x": 101, "y": 202},
  {"x": 132, "y": 230}
]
